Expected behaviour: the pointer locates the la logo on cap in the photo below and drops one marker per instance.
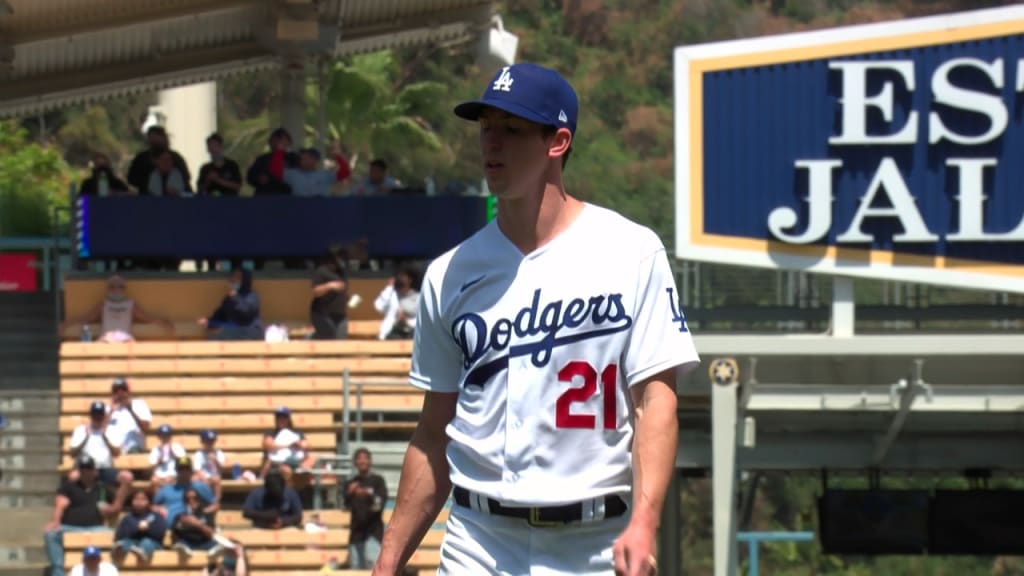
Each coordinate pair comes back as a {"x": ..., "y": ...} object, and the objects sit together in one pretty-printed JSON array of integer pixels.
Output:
[
  {"x": 504, "y": 82},
  {"x": 562, "y": 117}
]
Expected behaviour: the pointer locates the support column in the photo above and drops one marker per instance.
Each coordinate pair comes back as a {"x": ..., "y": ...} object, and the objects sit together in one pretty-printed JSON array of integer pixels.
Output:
[
  {"x": 190, "y": 115},
  {"x": 293, "y": 102},
  {"x": 843, "y": 307},
  {"x": 669, "y": 543},
  {"x": 724, "y": 405}
]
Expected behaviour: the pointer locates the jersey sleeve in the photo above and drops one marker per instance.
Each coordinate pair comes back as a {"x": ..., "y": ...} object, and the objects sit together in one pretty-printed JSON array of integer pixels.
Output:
[
  {"x": 141, "y": 410},
  {"x": 436, "y": 360},
  {"x": 79, "y": 436},
  {"x": 660, "y": 339}
]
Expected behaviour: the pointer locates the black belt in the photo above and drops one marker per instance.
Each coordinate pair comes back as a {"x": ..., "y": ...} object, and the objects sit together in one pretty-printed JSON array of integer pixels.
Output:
[{"x": 614, "y": 506}]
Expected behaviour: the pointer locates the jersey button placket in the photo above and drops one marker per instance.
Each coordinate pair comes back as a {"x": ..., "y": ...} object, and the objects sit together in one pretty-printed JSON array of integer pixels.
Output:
[{"x": 517, "y": 444}]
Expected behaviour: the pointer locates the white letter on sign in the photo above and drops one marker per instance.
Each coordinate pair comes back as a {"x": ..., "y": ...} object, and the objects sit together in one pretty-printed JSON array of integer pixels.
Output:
[
  {"x": 962, "y": 99},
  {"x": 855, "y": 103},
  {"x": 819, "y": 205},
  {"x": 903, "y": 207},
  {"x": 972, "y": 201}
]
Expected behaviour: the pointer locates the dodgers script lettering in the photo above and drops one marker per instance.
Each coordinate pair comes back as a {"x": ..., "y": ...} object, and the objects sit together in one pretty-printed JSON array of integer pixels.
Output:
[
  {"x": 965, "y": 172},
  {"x": 548, "y": 326}
]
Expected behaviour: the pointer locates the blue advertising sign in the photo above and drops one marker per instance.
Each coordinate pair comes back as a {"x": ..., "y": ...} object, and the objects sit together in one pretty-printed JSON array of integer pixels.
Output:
[{"x": 891, "y": 150}]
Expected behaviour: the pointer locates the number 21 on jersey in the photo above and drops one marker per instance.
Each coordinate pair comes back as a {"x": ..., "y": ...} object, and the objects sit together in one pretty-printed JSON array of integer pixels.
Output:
[{"x": 564, "y": 416}]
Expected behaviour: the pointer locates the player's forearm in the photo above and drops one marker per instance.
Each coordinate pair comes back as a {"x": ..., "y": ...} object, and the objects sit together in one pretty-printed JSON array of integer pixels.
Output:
[
  {"x": 423, "y": 490},
  {"x": 654, "y": 453}
]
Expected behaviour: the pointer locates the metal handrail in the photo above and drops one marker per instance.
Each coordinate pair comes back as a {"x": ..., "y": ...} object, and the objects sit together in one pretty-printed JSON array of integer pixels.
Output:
[{"x": 320, "y": 469}]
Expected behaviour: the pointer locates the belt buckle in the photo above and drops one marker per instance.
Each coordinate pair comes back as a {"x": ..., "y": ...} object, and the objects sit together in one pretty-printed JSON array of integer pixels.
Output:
[{"x": 535, "y": 521}]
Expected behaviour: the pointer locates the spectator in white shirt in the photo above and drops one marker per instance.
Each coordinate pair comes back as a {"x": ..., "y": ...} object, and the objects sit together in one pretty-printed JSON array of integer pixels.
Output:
[
  {"x": 285, "y": 446},
  {"x": 116, "y": 313},
  {"x": 208, "y": 462},
  {"x": 162, "y": 458},
  {"x": 91, "y": 439},
  {"x": 130, "y": 419},
  {"x": 93, "y": 564},
  {"x": 398, "y": 302}
]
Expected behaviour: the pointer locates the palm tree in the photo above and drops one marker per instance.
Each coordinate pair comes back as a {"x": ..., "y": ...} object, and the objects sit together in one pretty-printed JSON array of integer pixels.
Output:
[{"x": 371, "y": 115}]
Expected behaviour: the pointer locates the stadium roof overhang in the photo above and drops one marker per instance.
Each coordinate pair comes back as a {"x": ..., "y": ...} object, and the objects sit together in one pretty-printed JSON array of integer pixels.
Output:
[{"x": 59, "y": 52}]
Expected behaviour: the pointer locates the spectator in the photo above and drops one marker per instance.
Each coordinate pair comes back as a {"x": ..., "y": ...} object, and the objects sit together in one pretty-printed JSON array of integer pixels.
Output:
[
  {"x": 141, "y": 531},
  {"x": 208, "y": 462},
  {"x": 220, "y": 176},
  {"x": 130, "y": 419},
  {"x": 309, "y": 179},
  {"x": 140, "y": 173},
  {"x": 377, "y": 183},
  {"x": 116, "y": 313},
  {"x": 166, "y": 179},
  {"x": 398, "y": 302},
  {"x": 329, "y": 309},
  {"x": 365, "y": 495},
  {"x": 285, "y": 446},
  {"x": 92, "y": 440},
  {"x": 238, "y": 316},
  {"x": 93, "y": 564},
  {"x": 194, "y": 527},
  {"x": 163, "y": 458},
  {"x": 102, "y": 181},
  {"x": 273, "y": 505},
  {"x": 81, "y": 506},
  {"x": 259, "y": 175},
  {"x": 170, "y": 499}
]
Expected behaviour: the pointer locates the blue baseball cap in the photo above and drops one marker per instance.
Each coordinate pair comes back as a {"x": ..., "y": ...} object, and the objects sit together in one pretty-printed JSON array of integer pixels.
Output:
[
  {"x": 529, "y": 91},
  {"x": 97, "y": 407},
  {"x": 164, "y": 430},
  {"x": 91, "y": 553},
  {"x": 207, "y": 435},
  {"x": 283, "y": 411}
]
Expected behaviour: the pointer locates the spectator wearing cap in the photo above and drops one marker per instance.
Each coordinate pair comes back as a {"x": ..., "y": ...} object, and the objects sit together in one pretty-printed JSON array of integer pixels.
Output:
[
  {"x": 162, "y": 458},
  {"x": 83, "y": 505},
  {"x": 377, "y": 182},
  {"x": 141, "y": 531},
  {"x": 91, "y": 438},
  {"x": 170, "y": 498},
  {"x": 259, "y": 176},
  {"x": 221, "y": 176},
  {"x": 309, "y": 179},
  {"x": 93, "y": 564},
  {"x": 130, "y": 419},
  {"x": 145, "y": 162},
  {"x": 275, "y": 504},
  {"x": 208, "y": 462},
  {"x": 285, "y": 446}
]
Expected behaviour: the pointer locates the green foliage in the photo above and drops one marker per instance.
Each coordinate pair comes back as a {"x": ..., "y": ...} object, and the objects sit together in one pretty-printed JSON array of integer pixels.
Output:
[{"x": 33, "y": 180}]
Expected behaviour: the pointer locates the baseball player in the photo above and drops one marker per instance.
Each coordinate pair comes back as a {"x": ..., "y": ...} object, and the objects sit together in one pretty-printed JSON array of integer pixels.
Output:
[{"x": 548, "y": 345}]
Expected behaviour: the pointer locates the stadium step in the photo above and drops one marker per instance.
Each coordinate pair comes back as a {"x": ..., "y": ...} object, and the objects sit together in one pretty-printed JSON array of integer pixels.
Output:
[{"x": 30, "y": 445}]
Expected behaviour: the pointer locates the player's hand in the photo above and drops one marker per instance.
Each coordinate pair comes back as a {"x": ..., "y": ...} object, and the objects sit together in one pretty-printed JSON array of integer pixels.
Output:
[{"x": 633, "y": 552}]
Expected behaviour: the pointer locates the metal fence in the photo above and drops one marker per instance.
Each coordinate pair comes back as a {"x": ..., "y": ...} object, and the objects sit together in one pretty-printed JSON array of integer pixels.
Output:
[{"x": 720, "y": 298}]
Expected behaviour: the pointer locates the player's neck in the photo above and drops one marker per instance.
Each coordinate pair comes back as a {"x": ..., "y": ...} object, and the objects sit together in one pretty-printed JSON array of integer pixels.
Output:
[{"x": 532, "y": 221}]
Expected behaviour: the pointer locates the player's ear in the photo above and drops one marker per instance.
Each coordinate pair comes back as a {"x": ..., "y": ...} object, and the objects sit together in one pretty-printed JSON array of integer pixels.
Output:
[{"x": 560, "y": 143}]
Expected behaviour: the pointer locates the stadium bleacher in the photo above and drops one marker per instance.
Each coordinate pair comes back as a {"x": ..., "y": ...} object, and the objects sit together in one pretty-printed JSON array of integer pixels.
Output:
[{"x": 233, "y": 387}]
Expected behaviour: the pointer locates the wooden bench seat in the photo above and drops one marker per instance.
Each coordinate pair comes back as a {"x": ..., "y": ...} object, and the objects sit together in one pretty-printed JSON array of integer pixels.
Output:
[
  {"x": 233, "y": 366},
  {"x": 236, "y": 486},
  {"x": 251, "y": 538},
  {"x": 145, "y": 387},
  {"x": 318, "y": 441},
  {"x": 182, "y": 424},
  {"x": 333, "y": 518},
  {"x": 270, "y": 572},
  {"x": 309, "y": 410},
  {"x": 247, "y": 460},
  {"x": 244, "y": 349},
  {"x": 189, "y": 330},
  {"x": 286, "y": 558}
]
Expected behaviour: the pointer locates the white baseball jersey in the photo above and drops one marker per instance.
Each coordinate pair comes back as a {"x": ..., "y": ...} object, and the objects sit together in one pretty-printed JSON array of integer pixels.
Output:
[{"x": 542, "y": 349}]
